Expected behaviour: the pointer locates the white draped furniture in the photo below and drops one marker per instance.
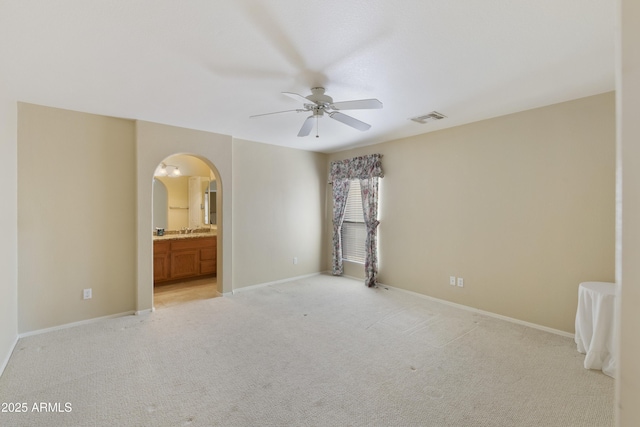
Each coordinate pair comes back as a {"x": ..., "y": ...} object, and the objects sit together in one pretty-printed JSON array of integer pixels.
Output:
[{"x": 595, "y": 323}]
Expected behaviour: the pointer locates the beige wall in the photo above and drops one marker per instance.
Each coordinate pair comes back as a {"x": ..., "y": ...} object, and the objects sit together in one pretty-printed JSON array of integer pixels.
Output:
[
  {"x": 628, "y": 241},
  {"x": 520, "y": 206},
  {"x": 9, "y": 220},
  {"x": 76, "y": 216},
  {"x": 278, "y": 210},
  {"x": 154, "y": 143}
]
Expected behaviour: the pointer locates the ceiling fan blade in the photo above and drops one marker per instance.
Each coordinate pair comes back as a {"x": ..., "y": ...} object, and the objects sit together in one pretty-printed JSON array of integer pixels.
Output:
[
  {"x": 350, "y": 121},
  {"x": 297, "y": 97},
  {"x": 276, "y": 112},
  {"x": 361, "y": 104},
  {"x": 306, "y": 127}
]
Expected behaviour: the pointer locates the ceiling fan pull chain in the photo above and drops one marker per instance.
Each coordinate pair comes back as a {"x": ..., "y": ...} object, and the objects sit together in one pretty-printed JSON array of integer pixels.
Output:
[{"x": 317, "y": 126}]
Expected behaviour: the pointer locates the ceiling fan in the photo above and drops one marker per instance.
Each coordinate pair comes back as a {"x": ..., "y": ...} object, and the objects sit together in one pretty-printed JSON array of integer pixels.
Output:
[{"x": 318, "y": 104}]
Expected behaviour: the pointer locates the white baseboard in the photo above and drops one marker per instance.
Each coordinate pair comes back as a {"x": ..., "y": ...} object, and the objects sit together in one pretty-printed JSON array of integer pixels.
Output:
[
  {"x": 262, "y": 285},
  {"x": 71, "y": 325},
  {"x": 486, "y": 313},
  {"x": 453, "y": 304},
  {"x": 148, "y": 310},
  {"x": 8, "y": 355}
]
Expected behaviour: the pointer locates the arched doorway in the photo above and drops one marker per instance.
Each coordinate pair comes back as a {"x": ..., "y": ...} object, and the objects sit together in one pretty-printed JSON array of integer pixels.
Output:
[{"x": 185, "y": 221}]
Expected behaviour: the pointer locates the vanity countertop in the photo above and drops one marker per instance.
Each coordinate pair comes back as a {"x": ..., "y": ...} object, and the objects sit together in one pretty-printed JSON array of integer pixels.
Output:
[{"x": 186, "y": 236}]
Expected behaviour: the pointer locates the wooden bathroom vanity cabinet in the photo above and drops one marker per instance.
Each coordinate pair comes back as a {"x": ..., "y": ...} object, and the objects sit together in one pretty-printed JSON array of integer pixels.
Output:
[{"x": 184, "y": 258}]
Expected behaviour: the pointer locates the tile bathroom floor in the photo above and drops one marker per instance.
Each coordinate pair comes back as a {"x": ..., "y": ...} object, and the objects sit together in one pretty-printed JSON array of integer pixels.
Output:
[{"x": 167, "y": 295}]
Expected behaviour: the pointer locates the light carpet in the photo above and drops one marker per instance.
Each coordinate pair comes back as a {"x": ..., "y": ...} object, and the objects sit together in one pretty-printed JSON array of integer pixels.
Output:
[{"x": 323, "y": 351}]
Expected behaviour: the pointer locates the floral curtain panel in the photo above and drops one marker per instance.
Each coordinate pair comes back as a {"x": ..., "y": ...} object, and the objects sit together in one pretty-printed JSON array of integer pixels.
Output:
[
  {"x": 369, "y": 189},
  {"x": 340, "y": 192},
  {"x": 367, "y": 169}
]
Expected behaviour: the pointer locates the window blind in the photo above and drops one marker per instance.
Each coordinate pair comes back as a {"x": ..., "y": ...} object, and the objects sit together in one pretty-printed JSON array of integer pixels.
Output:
[{"x": 354, "y": 231}]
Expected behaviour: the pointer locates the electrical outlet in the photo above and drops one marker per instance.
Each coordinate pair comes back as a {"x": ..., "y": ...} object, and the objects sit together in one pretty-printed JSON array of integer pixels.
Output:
[
  {"x": 295, "y": 259},
  {"x": 86, "y": 294},
  {"x": 452, "y": 280},
  {"x": 460, "y": 282}
]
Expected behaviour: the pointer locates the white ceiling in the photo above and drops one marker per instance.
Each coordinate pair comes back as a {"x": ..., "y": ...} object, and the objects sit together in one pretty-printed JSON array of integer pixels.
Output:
[{"x": 210, "y": 64}]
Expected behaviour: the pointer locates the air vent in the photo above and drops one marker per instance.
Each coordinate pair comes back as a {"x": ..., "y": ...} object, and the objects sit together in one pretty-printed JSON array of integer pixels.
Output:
[{"x": 430, "y": 117}]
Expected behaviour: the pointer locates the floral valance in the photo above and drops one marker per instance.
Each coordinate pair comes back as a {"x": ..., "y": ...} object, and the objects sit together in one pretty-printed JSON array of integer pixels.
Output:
[{"x": 362, "y": 167}]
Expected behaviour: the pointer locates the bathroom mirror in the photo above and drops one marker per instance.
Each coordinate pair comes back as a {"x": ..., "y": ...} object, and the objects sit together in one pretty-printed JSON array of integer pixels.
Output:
[
  {"x": 210, "y": 203},
  {"x": 160, "y": 205},
  {"x": 190, "y": 200}
]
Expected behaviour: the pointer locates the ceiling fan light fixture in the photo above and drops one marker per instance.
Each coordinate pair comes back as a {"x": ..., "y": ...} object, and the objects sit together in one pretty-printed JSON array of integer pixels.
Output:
[{"x": 318, "y": 97}]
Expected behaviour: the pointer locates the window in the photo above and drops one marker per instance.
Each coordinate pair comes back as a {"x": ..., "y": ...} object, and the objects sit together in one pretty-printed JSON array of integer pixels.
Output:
[{"x": 354, "y": 231}]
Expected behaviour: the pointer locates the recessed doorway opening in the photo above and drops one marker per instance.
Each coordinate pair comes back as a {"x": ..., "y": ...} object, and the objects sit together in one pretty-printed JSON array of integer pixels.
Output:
[{"x": 184, "y": 217}]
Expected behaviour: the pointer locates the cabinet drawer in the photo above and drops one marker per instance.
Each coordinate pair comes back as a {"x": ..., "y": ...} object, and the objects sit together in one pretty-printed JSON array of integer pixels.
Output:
[
  {"x": 161, "y": 247},
  {"x": 193, "y": 243}
]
